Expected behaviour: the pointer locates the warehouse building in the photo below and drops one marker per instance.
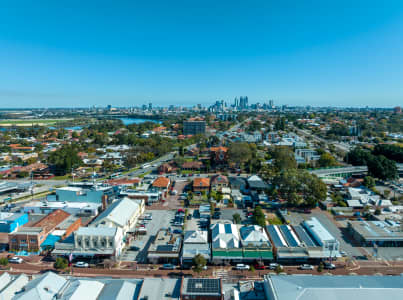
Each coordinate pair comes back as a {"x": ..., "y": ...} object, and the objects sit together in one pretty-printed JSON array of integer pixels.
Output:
[
  {"x": 382, "y": 233},
  {"x": 330, "y": 245},
  {"x": 308, "y": 287},
  {"x": 294, "y": 244}
]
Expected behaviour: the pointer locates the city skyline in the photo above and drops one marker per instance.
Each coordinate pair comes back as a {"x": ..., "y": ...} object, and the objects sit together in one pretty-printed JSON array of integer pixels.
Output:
[{"x": 197, "y": 53}]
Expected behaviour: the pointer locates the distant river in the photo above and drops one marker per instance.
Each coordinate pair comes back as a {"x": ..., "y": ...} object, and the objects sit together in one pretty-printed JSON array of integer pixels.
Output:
[{"x": 128, "y": 121}]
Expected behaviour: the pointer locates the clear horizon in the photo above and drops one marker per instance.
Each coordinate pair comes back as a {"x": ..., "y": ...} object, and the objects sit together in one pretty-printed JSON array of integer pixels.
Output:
[{"x": 184, "y": 53}]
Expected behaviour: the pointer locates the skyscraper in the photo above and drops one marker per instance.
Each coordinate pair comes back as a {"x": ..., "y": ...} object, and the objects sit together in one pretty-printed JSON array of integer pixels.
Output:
[
  {"x": 236, "y": 102},
  {"x": 243, "y": 102}
]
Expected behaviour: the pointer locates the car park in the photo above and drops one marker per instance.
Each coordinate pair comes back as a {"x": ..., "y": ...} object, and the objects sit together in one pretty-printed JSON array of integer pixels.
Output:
[
  {"x": 242, "y": 267},
  {"x": 81, "y": 264},
  {"x": 306, "y": 267},
  {"x": 16, "y": 260}
]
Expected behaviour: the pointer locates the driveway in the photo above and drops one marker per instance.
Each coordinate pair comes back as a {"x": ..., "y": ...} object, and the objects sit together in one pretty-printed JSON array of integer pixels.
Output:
[{"x": 161, "y": 219}]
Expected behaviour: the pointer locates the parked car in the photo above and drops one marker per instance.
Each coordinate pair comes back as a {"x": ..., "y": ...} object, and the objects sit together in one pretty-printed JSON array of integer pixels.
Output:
[
  {"x": 178, "y": 231},
  {"x": 242, "y": 267},
  {"x": 168, "y": 267},
  {"x": 216, "y": 215},
  {"x": 329, "y": 266},
  {"x": 81, "y": 264},
  {"x": 148, "y": 216},
  {"x": 343, "y": 253},
  {"x": 273, "y": 266},
  {"x": 16, "y": 260},
  {"x": 259, "y": 266},
  {"x": 306, "y": 267}
]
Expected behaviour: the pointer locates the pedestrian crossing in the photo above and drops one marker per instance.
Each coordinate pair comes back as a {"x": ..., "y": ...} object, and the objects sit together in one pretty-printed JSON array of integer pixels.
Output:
[{"x": 221, "y": 273}]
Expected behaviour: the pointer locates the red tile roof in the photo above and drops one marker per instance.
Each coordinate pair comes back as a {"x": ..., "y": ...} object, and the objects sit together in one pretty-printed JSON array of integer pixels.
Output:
[
  {"x": 161, "y": 182},
  {"x": 201, "y": 182}
]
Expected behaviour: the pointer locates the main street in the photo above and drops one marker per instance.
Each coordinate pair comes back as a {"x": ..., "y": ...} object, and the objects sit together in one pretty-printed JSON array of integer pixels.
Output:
[{"x": 141, "y": 271}]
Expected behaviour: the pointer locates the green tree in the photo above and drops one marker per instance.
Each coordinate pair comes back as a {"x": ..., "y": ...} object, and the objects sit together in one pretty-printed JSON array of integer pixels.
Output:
[
  {"x": 320, "y": 267},
  {"x": 278, "y": 269},
  {"x": 358, "y": 157},
  {"x": 199, "y": 262},
  {"x": 369, "y": 181},
  {"x": 284, "y": 159},
  {"x": 259, "y": 217},
  {"x": 280, "y": 124},
  {"x": 300, "y": 188},
  {"x": 3, "y": 261},
  {"x": 239, "y": 153},
  {"x": 382, "y": 168},
  {"x": 237, "y": 218},
  {"x": 60, "y": 263},
  {"x": 393, "y": 152},
  {"x": 64, "y": 159},
  {"x": 327, "y": 160}
]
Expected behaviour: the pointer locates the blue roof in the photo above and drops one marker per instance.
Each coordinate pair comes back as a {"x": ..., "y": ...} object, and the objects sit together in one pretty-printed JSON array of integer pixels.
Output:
[
  {"x": 228, "y": 228},
  {"x": 50, "y": 241},
  {"x": 274, "y": 236},
  {"x": 304, "y": 237},
  {"x": 291, "y": 241}
]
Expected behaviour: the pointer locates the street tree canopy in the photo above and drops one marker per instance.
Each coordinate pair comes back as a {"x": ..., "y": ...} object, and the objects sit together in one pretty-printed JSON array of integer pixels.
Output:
[
  {"x": 239, "y": 153},
  {"x": 199, "y": 262},
  {"x": 284, "y": 159},
  {"x": 64, "y": 159},
  {"x": 300, "y": 188}
]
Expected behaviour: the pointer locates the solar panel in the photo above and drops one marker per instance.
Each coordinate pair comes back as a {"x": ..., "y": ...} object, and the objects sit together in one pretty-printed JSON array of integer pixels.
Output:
[{"x": 203, "y": 285}]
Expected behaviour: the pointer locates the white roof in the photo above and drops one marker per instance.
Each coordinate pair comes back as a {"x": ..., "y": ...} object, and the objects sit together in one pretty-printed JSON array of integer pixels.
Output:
[
  {"x": 83, "y": 289},
  {"x": 317, "y": 227},
  {"x": 61, "y": 204},
  {"x": 118, "y": 290},
  {"x": 195, "y": 237},
  {"x": 44, "y": 287},
  {"x": 14, "y": 287},
  {"x": 225, "y": 236},
  {"x": 5, "y": 279},
  {"x": 97, "y": 231},
  {"x": 58, "y": 232},
  {"x": 70, "y": 188},
  {"x": 354, "y": 203},
  {"x": 119, "y": 212},
  {"x": 254, "y": 178},
  {"x": 253, "y": 234}
]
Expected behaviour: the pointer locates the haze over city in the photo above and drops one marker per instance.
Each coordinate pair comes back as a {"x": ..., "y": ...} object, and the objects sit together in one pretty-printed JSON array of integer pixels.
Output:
[{"x": 80, "y": 54}]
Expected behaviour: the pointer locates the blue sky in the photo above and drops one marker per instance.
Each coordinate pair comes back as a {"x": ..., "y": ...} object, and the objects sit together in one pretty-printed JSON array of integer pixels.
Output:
[{"x": 124, "y": 53}]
